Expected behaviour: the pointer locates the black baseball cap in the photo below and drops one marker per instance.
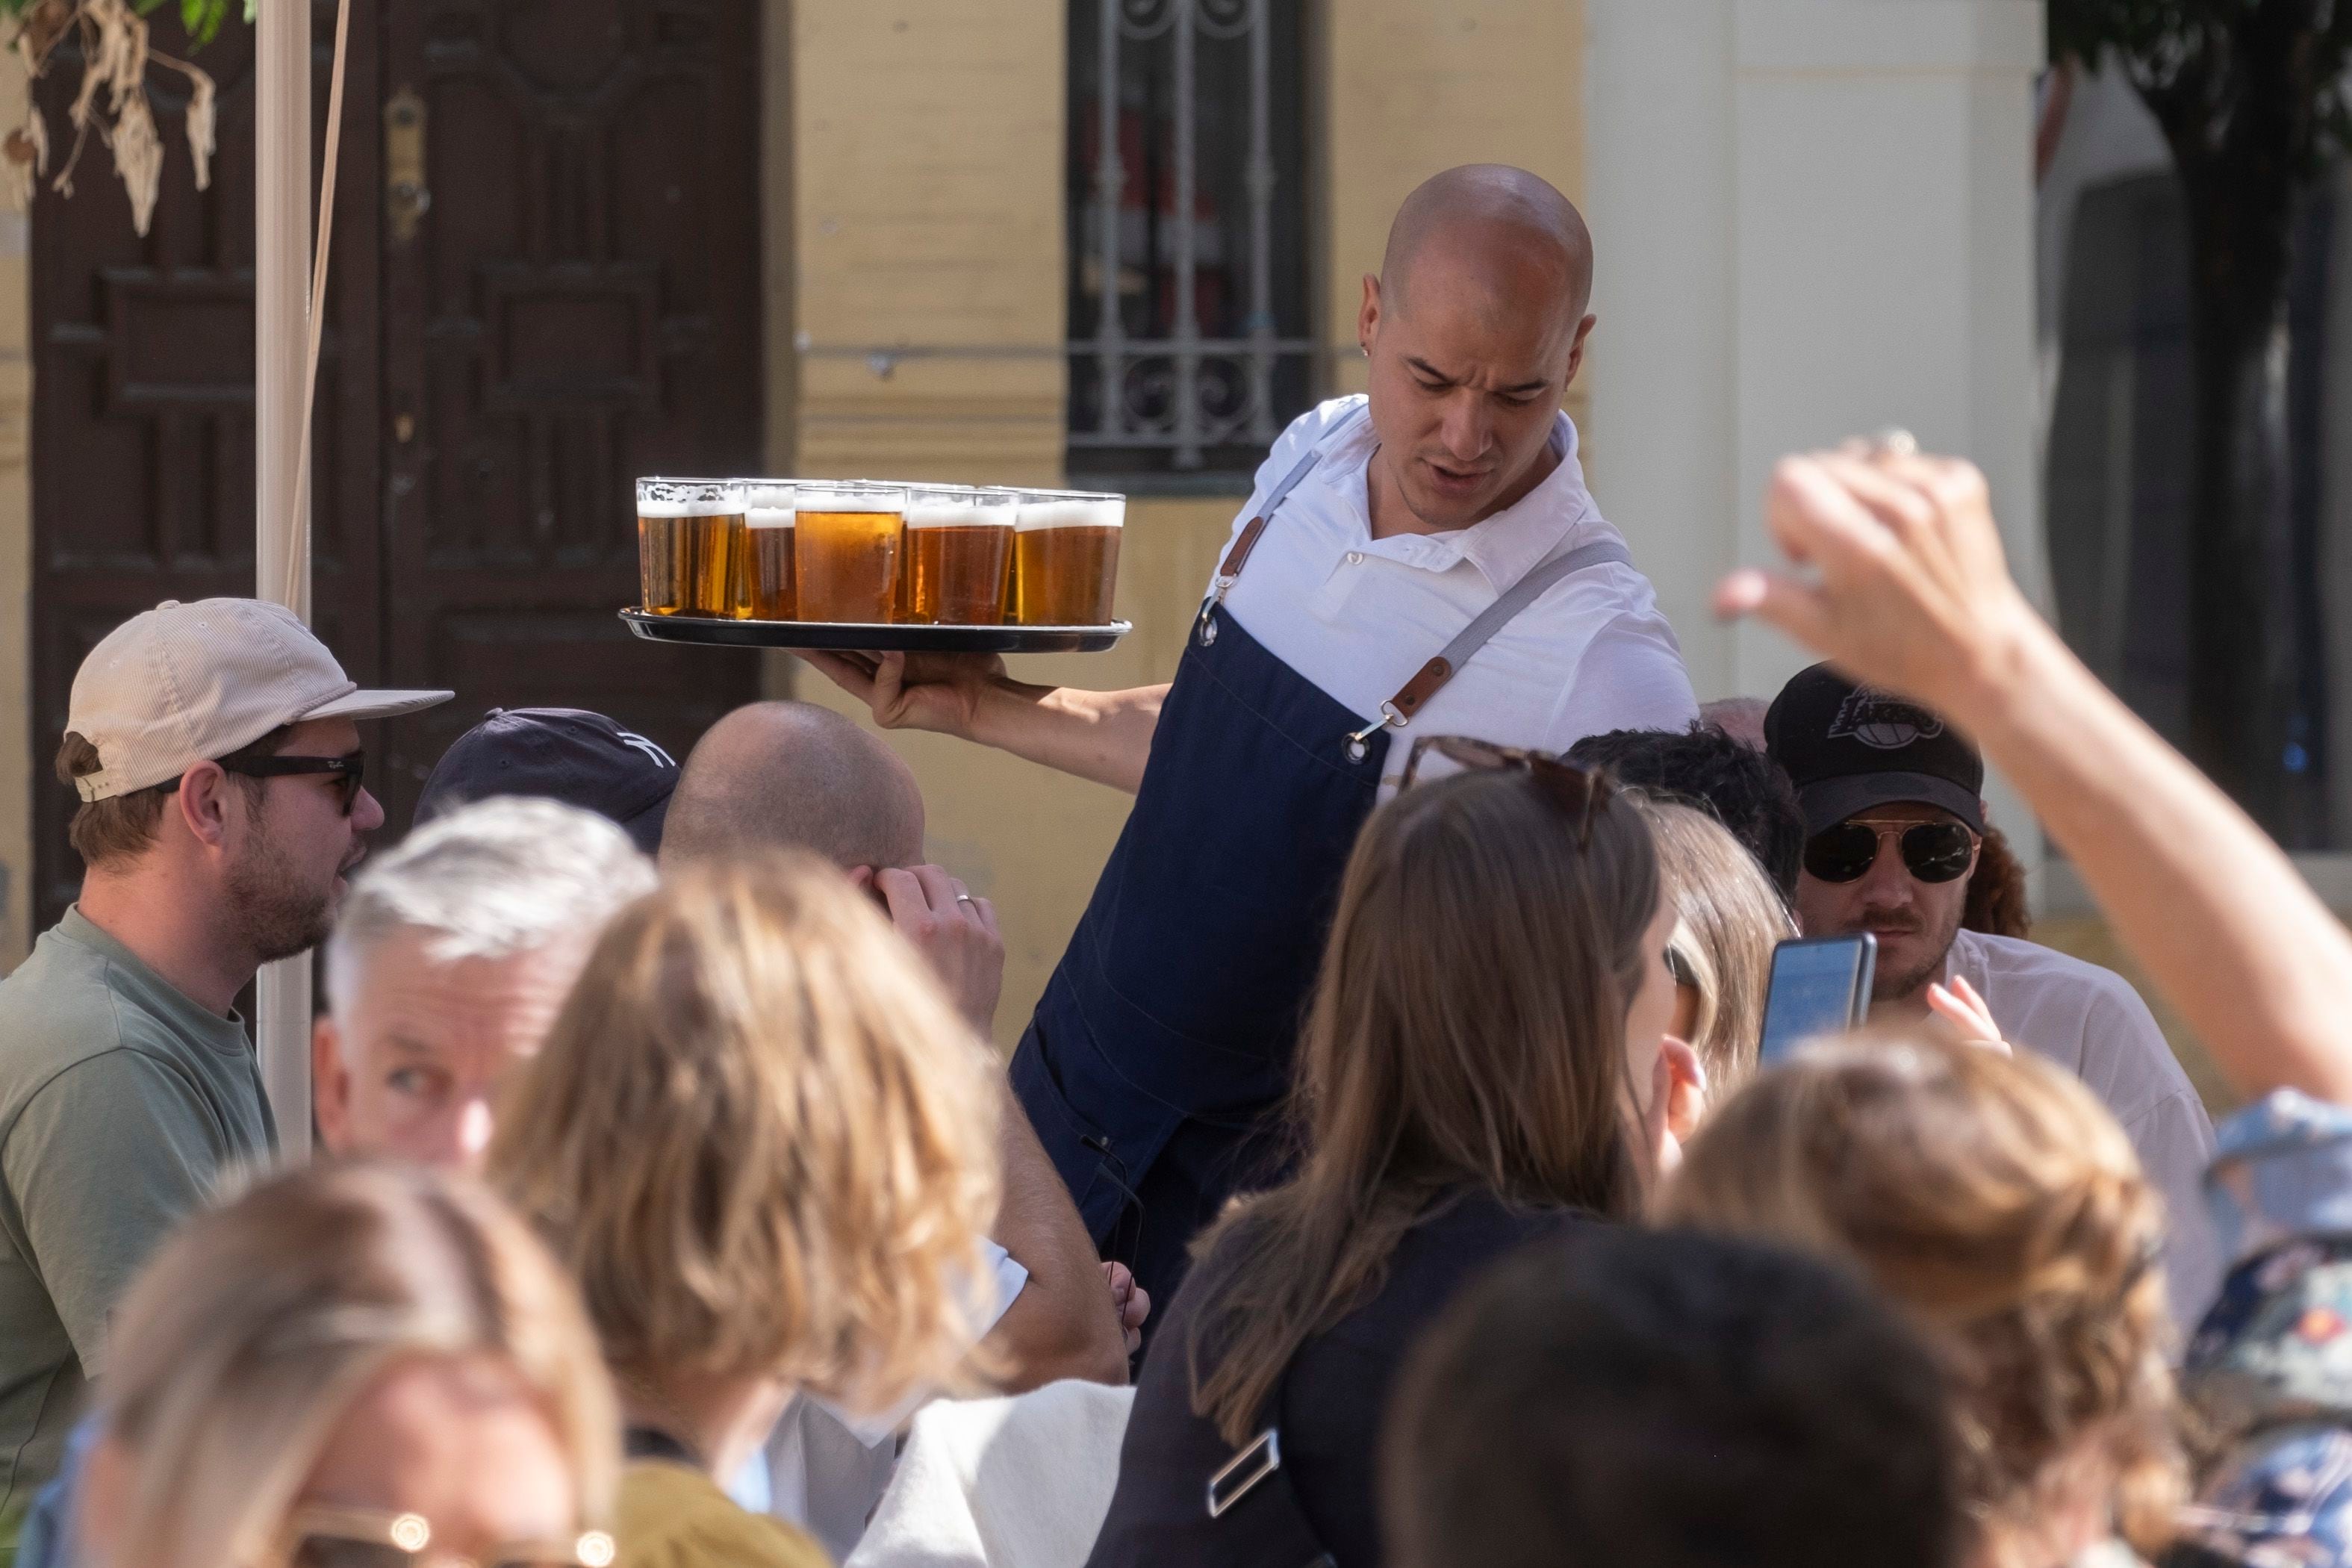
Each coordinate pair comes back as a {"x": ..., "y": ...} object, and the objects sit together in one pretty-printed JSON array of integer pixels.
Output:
[
  {"x": 1848, "y": 748},
  {"x": 569, "y": 754}
]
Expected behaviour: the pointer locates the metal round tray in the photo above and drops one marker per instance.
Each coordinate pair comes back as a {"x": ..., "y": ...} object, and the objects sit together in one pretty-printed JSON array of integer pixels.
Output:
[{"x": 869, "y": 638}]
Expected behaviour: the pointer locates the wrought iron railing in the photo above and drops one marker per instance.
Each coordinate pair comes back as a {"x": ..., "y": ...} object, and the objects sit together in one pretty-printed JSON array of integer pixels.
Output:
[{"x": 1157, "y": 234}]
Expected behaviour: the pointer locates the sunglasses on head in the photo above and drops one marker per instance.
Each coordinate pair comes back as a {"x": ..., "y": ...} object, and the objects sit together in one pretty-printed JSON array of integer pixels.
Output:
[
  {"x": 1579, "y": 793},
  {"x": 361, "y": 1538},
  {"x": 347, "y": 771},
  {"x": 1932, "y": 851}
]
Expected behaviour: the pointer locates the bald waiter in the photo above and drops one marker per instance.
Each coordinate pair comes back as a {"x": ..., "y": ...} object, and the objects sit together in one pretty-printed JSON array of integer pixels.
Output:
[{"x": 1444, "y": 518}]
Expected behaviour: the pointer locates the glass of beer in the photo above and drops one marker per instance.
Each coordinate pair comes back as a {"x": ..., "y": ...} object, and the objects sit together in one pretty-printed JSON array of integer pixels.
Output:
[
  {"x": 1065, "y": 557},
  {"x": 847, "y": 552},
  {"x": 686, "y": 545},
  {"x": 959, "y": 545},
  {"x": 763, "y": 559}
]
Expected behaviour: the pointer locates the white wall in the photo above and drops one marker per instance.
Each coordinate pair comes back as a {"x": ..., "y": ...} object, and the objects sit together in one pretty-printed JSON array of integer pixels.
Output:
[{"x": 1814, "y": 219}]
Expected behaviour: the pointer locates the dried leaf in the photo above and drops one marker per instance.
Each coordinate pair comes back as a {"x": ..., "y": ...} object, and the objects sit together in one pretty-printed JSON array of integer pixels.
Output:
[
  {"x": 201, "y": 102},
  {"x": 138, "y": 159}
]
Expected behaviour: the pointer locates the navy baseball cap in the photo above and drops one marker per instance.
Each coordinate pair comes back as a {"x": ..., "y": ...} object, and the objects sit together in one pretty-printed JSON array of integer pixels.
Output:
[
  {"x": 1848, "y": 748},
  {"x": 569, "y": 754}
]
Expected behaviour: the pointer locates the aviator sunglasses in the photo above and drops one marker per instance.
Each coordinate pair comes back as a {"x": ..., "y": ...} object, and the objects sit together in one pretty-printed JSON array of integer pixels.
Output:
[
  {"x": 1932, "y": 851},
  {"x": 1579, "y": 793},
  {"x": 347, "y": 770}
]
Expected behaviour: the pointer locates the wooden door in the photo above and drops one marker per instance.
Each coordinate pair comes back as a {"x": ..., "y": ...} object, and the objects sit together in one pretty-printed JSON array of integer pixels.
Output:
[
  {"x": 142, "y": 395},
  {"x": 578, "y": 305}
]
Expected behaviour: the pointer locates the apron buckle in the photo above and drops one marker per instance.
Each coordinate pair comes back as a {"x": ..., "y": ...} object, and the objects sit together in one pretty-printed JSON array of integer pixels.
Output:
[
  {"x": 1205, "y": 628},
  {"x": 1359, "y": 743}
]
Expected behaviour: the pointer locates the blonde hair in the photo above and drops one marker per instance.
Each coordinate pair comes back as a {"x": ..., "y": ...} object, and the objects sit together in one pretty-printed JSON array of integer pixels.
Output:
[
  {"x": 246, "y": 1340},
  {"x": 1730, "y": 919},
  {"x": 762, "y": 1140},
  {"x": 1468, "y": 1030},
  {"x": 1998, "y": 1201}
]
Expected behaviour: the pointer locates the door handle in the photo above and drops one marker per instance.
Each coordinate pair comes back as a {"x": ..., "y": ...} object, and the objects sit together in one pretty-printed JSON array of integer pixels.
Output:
[{"x": 406, "y": 199}]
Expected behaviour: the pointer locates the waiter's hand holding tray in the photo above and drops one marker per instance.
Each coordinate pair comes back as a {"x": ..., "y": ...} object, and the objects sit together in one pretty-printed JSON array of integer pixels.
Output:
[{"x": 848, "y": 572}]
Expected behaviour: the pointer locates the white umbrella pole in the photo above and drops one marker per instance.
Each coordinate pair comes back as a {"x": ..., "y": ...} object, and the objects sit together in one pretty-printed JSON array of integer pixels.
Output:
[{"x": 281, "y": 282}]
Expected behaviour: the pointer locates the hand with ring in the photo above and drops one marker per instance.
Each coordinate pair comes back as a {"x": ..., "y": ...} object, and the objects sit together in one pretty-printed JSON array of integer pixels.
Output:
[{"x": 955, "y": 931}]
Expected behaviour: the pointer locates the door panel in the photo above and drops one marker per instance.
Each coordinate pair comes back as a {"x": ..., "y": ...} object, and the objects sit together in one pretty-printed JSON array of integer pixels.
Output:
[{"x": 579, "y": 305}]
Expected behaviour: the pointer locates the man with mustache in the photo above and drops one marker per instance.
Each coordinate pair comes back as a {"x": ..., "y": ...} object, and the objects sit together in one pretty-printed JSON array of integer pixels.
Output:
[
  {"x": 1895, "y": 820},
  {"x": 1421, "y": 561},
  {"x": 215, "y": 749}
]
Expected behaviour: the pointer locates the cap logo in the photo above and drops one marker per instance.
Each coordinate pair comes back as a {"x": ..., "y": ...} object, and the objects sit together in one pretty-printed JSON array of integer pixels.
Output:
[
  {"x": 1883, "y": 722},
  {"x": 640, "y": 744}
]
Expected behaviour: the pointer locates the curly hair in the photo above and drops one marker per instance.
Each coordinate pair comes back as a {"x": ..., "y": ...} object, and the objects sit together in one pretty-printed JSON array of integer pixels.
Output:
[
  {"x": 1997, "y": 904},
  {"x": 1722, "y": 776},
  {"x": 1997, "y": 1200}
]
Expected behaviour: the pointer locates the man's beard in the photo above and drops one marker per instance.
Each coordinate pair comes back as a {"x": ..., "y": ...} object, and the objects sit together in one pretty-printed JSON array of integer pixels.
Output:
[
  {"x": 1891, "y": 986},
  {"x": 269, "y": 909}
]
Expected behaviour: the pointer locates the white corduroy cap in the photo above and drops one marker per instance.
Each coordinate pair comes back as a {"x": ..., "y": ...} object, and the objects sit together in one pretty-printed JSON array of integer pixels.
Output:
[{"x": 179, "y": 684}]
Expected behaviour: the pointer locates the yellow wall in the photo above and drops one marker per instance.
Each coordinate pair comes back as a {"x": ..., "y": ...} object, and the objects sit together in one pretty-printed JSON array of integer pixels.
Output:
[{"x": 928, "y": 211}]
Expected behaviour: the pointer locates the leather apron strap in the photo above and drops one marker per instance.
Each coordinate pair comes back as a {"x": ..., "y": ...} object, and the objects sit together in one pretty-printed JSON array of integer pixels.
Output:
[
  {"x": 1238, "y": 556},
  {"x": 1414, "y": 694}
]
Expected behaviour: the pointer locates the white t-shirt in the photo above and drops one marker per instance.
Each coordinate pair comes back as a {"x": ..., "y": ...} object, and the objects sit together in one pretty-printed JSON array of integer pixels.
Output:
[
  {"x": 1357, "y": 617},
  {"x": 2091, "y": 1022}
]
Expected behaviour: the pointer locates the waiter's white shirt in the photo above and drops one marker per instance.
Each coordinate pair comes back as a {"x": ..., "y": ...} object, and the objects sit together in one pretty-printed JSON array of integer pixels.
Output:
[{"x": 1357, "y": 617}]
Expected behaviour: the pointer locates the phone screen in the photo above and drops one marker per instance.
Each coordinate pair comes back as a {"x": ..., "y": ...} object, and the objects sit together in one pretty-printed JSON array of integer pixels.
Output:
[{"x": 1818, "y": 988}]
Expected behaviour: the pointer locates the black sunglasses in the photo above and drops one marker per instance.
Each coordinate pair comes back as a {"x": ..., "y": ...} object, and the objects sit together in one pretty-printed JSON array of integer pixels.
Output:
[
  {"x": 1579, "y": 793},
  {"x": 1932, "y": 851},
  {"x": 347, "y": 770}
]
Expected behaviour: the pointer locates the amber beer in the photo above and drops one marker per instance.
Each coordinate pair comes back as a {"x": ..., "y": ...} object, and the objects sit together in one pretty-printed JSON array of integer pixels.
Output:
[
  {"x": 686, "y": 545},
  {"x": 1066, "y": 558},
  {"x": 847, "y": 550},
  {"x": 958, "y": 546},
  {"x": 764, "y": 558}
]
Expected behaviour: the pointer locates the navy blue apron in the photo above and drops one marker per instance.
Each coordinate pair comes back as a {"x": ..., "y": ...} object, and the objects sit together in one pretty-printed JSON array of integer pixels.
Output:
[{"x": 1165, "y": 1035}]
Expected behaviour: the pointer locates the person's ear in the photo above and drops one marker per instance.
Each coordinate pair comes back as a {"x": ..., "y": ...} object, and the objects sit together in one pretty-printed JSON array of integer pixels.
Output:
[
  {"x": 202, "y": 803},
  {"x": 1576, "y": 349},
  {"x": 1367, "y": 318},
  {"x": 331, "y": 1085},
  {"x": 1686, "y": 1096}
]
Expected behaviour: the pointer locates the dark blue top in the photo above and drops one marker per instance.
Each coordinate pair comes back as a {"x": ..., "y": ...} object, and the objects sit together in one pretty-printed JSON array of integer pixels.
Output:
[{"x": 1333, "y": 1400}]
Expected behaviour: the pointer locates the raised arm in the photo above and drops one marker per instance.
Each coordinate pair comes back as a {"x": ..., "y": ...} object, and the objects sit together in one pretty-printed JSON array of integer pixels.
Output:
[
  {"x": 1907, "y": 588},
  {"x": 1105, "y": 736}
]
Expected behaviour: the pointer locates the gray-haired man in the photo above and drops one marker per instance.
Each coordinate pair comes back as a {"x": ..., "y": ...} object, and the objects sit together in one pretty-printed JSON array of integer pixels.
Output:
[{"x": 452, "y": 957}]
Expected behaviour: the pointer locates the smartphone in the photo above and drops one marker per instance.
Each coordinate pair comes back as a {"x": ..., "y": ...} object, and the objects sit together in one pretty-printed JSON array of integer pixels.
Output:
[{"x": 1819, "y": 987}]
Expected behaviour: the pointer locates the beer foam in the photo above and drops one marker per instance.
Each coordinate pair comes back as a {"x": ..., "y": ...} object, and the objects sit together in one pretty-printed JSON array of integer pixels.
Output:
[
  {"x": 1074, "y": 511},
  {"x": 769, "y": 506},
  {"x": 652, "y": 509},
  {"x": 955, "y": 511},
  {"x": 821, "y": 497}
]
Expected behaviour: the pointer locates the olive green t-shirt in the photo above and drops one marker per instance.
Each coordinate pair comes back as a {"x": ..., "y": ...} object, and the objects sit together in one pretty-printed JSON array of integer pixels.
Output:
[{"x": 122, "y": 1102}]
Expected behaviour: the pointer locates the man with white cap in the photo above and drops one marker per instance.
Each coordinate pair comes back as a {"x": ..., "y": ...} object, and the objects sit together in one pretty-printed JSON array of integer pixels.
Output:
[{"x": 215, "y": 749}]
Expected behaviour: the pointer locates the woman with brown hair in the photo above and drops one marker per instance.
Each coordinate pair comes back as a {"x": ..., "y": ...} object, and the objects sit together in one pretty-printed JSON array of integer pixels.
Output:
[
  {"x": 351, "y": 1363},
  {"x": 1993, "y": 1197},
  {"x": 763, "y": 1141},
  {"x": 1728, "y": 919},
  {"x": 1484, "y": 1045}
]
